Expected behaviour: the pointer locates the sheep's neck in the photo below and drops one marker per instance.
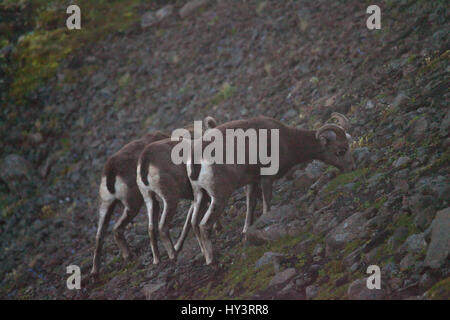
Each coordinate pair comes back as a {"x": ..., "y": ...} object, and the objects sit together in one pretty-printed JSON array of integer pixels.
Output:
[{"x": 304, "y": 145}]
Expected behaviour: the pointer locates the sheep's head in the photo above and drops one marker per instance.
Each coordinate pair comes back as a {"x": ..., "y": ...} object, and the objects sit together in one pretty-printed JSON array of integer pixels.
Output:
[{"x": 336, "y": 143}]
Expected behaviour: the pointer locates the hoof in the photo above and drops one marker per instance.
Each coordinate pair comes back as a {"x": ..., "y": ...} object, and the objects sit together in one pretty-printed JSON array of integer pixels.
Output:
[
  {"x": 129, "y": 256},
  {"x": 177, "y": 247}
]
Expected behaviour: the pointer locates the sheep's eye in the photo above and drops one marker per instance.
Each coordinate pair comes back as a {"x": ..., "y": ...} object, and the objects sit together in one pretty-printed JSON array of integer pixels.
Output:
[{"x": 341, "y": 153}]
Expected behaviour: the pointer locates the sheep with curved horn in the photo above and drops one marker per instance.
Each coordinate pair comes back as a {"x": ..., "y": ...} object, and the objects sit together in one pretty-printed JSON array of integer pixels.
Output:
[{"x": 329, "y": 144}]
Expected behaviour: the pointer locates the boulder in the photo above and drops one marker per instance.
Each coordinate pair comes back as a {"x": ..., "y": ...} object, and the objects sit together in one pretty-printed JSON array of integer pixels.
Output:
[
  {"x": 400, "y": 100},
  {"x": 358, "y": 291},
  {"x": 14, "y": 169},
  {"x": 282, "y": 277},
  {"x": 190, "y": 7},
  {"x": 153, "y": 291},
  {"x": 303, "y": 181},
  {"x": 349, "y": 230},
  {"x": 151, "y": 18},
  {"x": 439, "y": 248},
  {"x": 402, "y": 161},
  {"x": 311, "y": 291},
  {"x": 267, "y": 258},
  {"x": 414, "y": 244},
  {"x": 315, "y": 169},
  {"x": 362, "y": 156}
]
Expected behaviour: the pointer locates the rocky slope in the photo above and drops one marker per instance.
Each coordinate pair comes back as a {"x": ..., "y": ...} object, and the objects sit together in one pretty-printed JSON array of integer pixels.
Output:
[{"x": 297, "y": 61}]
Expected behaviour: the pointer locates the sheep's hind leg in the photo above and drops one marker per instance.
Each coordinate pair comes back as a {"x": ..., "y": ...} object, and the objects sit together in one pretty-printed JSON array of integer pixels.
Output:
[
  {"x": 119, "y": 230},
  {"x": 214, "y": 211},
  {"x": 196, "y": 215},
  {"x": 170, "y": 208},
  {"x": 105, "y": 211},
  {"x": 187, "y": 225},
  {"x": 152, "y": 206}
]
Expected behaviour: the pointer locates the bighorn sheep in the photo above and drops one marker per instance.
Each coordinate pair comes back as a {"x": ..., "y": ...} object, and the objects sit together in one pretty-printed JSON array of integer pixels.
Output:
[
  {"x": 158, "y": 175},
  {"x": 329, "y": 144},
  {"x": 118, "y": 184}
]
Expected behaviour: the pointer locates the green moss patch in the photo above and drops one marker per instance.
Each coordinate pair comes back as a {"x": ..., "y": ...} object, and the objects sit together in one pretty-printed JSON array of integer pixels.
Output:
[
  {"x": 39, "y": 53},
  {"x": 440, "y": 291}
]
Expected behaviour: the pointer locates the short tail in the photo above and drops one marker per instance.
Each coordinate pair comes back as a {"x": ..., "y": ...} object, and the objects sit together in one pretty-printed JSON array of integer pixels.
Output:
[
  {"x": 145, "y": 161},
  {"x": 110, "y": 174}
]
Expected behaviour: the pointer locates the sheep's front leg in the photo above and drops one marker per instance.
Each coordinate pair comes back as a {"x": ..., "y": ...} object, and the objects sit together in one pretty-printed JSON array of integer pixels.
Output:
[
  {"x": 266, "y": 186},
  {"x": 251, "y": 194}
]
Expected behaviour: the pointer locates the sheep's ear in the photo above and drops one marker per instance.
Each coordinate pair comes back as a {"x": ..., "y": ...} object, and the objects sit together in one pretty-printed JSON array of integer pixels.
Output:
[{"x": 327, "y": 137}]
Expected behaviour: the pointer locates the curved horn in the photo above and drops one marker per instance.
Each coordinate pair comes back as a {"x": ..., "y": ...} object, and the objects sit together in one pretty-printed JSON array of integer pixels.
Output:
[
  {"x": 342, "y": 120},
  {"x": 210, "y": 122},
  {"x": 329, "y": 126}
]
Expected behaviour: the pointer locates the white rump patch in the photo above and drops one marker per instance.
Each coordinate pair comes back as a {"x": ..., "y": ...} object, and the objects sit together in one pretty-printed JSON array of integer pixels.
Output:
[
  {"x": 153, "y": 178},
  {"x": 121, "y": 190}
]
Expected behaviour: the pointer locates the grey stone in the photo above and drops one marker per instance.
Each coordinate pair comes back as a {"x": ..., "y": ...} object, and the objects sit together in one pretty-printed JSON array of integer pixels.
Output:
[
  {"x": 14, "y": 169},
  {"x": 390, "y": 269},
  {"x": 414, "y": 243},
  {"x": 439, "y": 248},
  {"x": 151, "y": 290},
  {"x": 399, "y": 235},
  {"x": 445, "y": 125},
  {"x": 151, "y": 18},
  {"x": 303, "y": 181},
  {"x": 164, "y": 12},
  {"x": 400, "y": 100},
  {"x": 424, "y": 218},
  {"x": 148, "y": 20},
  {"x": 407, "y": 262},
  {"x": 370, "y": 105},
  {"x": 311, "y": 291},
  {"x": 402, "y": 161},
  {"x": 420, "y": 127},
  {"x": 282, "y": 277},
  {"x": 427, "y": 280},
  {"x": 437, "y": 186},
  {"x": 190, "y": 7},
  {"x": 318, "y": 250},
  {"x": 358, "y": 291},
  {"x": 354, "y": 267},
  {"x": 362, "y": 156},
  {"x": 350, "y": 229},
  {"x": 315, "y": 169},
  {"x": 267, "y": 258}
]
